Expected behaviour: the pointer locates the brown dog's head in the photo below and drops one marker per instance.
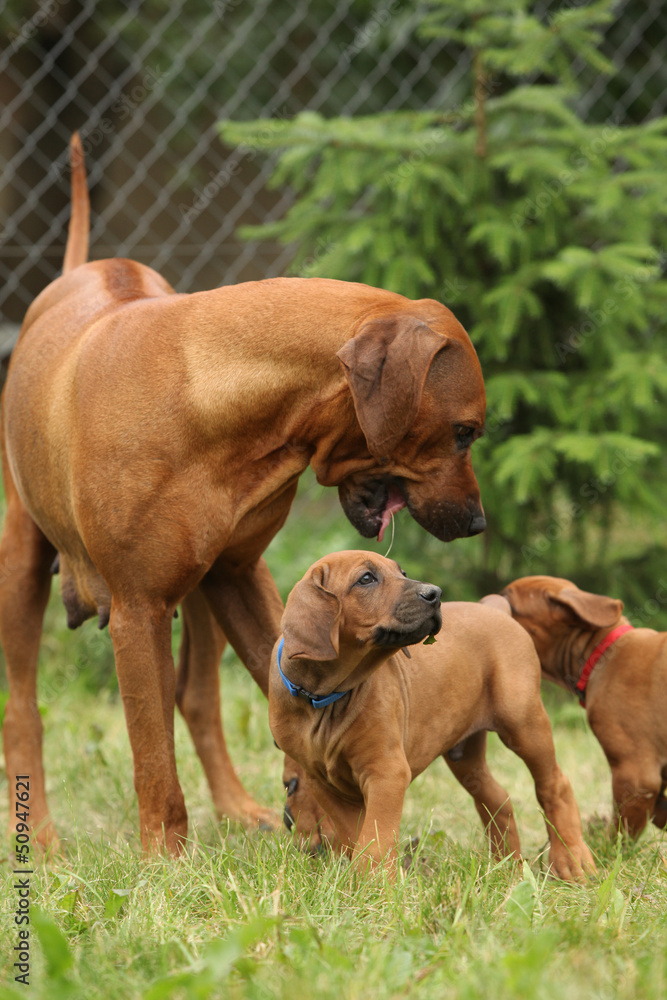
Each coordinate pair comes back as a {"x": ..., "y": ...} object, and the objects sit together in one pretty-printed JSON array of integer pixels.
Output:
[
  {"x": 418, "y": 395},
  {"x": 550, "y": 608},
  {"x": 348, "y": 614}
]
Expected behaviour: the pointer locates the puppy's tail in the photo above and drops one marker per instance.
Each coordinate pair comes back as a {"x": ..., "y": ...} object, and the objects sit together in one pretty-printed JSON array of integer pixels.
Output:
[
  {"x": 497, "y": 601},
  {"x": 76, "y": 251}
]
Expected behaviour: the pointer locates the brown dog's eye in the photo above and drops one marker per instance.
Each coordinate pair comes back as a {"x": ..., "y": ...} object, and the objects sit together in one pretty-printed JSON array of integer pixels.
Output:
[
  {"x": 464, "y": 435},
  {"x": 366, "y": 579}
]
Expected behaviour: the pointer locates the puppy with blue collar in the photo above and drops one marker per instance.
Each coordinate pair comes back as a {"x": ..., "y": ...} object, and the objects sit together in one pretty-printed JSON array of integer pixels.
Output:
[{"x": 361, "y": 699}]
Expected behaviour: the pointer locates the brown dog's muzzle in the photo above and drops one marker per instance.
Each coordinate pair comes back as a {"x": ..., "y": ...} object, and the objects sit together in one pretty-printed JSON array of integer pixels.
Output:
[
  {"x": 448, "y": 505},
  {"x": 366, "y": 504}
]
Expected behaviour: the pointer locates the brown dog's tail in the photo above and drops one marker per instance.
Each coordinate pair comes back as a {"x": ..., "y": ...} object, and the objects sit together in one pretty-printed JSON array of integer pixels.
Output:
[{"x": 76, "y": 251}]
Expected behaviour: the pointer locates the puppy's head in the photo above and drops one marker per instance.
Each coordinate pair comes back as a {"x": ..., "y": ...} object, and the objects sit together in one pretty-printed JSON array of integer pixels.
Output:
[
  {"x": 550, "y": 608},
  {"x": 418, "y": 395},
  {"x": 350, "y": 605}
]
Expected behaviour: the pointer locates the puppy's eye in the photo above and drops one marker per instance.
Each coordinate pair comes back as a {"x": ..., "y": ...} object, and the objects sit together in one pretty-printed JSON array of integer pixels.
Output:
[
  {"x": 464, "y": 435},
  {"x": 367, "y": 578}
]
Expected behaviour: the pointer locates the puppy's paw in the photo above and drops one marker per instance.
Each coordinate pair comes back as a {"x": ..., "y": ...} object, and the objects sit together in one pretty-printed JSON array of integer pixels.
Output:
[{"x": 572, "y": 864}]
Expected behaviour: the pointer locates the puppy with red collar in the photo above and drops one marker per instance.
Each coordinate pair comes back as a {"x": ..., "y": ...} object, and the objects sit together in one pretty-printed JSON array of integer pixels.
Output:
[
  {"x": 363, "y": 715},
  {"x": 619, "y": 673}
]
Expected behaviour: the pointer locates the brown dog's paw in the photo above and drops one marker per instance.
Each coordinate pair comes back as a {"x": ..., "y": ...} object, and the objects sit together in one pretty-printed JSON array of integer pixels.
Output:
[
  {"x": 45, "y": 846},
  {"x": 244, "y": 810},
  {"x": 262, "y": 819}
]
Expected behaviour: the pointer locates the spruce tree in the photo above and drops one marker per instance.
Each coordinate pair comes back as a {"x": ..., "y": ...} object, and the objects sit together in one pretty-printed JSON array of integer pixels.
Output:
[{"x": 545, "y": 235}]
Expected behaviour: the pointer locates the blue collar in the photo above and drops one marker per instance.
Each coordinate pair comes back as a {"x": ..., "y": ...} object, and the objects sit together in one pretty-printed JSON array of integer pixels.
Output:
[{"x": 300, "y": 692}]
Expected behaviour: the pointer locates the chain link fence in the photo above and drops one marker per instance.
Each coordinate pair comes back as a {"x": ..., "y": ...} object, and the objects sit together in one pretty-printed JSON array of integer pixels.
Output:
[{"x": 145, "y": 83}]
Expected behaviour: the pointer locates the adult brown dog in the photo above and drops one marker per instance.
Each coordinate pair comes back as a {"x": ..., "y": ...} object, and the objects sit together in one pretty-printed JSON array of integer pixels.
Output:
[
  {"x": 363, "y": 720},
  {"x": 586, "y": 645},
  {"x": 155, "y": 440}
]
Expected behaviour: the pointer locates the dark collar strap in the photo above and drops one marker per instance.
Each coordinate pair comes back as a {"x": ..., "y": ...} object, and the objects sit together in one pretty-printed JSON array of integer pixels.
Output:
[
  {"x": 599, "y": 650},
  {"x": 300, "y": 692}
]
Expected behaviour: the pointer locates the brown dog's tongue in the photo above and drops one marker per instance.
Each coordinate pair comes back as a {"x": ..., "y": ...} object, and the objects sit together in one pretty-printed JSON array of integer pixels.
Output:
[{"x": 395, "y": 502}]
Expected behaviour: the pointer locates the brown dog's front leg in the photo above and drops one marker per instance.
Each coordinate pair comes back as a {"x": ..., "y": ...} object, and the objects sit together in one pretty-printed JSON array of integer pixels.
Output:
[
  {"x": 198, "y": 697},
  {"x": 467, "y": 762},
  {"x": 141, "y": 636}
]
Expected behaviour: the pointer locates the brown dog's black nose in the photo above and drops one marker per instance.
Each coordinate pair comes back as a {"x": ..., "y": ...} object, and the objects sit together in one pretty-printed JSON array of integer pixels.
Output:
[
  {"x": 477, "y": 524},
  {"x": 431, "y": 595}
]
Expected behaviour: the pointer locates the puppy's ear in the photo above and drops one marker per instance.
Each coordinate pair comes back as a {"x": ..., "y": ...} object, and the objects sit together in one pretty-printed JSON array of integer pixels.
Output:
[
  {"x": 497, "y": 601},
  {"x": 386, "y": 365},
  {"x": 311, "y": 622},
  {"x": 593, "y": 610}
]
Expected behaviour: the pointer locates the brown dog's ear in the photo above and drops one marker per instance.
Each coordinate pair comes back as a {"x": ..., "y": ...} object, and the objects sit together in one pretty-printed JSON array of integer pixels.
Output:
[
  {"x": 593, "y": 610},
  {"x": 386, "y": 365},
  {"x": 311, "y": 622},
  {"x": 497, "y": 601}
]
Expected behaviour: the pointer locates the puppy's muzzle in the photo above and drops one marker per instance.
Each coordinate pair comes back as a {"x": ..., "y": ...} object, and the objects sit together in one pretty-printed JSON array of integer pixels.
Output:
[
  {"x": 431, "y": 595},
  {"x": 288, "y": 818},
  {"x": 477, "y": 524},
  {"x": 416, "y": 615}
]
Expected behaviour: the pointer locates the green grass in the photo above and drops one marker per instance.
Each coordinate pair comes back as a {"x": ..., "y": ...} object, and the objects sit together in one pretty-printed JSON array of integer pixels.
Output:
[{"x": 246, "y": 915}]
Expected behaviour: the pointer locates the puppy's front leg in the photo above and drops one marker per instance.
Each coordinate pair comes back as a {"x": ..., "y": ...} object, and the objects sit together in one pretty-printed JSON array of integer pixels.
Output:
[{"x": 384, "y": 792}]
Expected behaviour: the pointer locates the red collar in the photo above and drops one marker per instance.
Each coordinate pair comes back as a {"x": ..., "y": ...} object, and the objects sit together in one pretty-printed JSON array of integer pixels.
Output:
[{"x": 599, "y": 650}]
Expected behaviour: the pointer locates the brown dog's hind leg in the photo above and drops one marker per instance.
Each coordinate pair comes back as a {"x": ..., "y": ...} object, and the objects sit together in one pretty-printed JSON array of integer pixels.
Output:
[
  {"x": 467, "y": 762},
  {"x": 198, "y": 698},
  {"x": 636, "y": 787},
  {"x": 530, "y": 738},
  {"x": 141, "y": 636},
  {"x": 25, "y": 583}
]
